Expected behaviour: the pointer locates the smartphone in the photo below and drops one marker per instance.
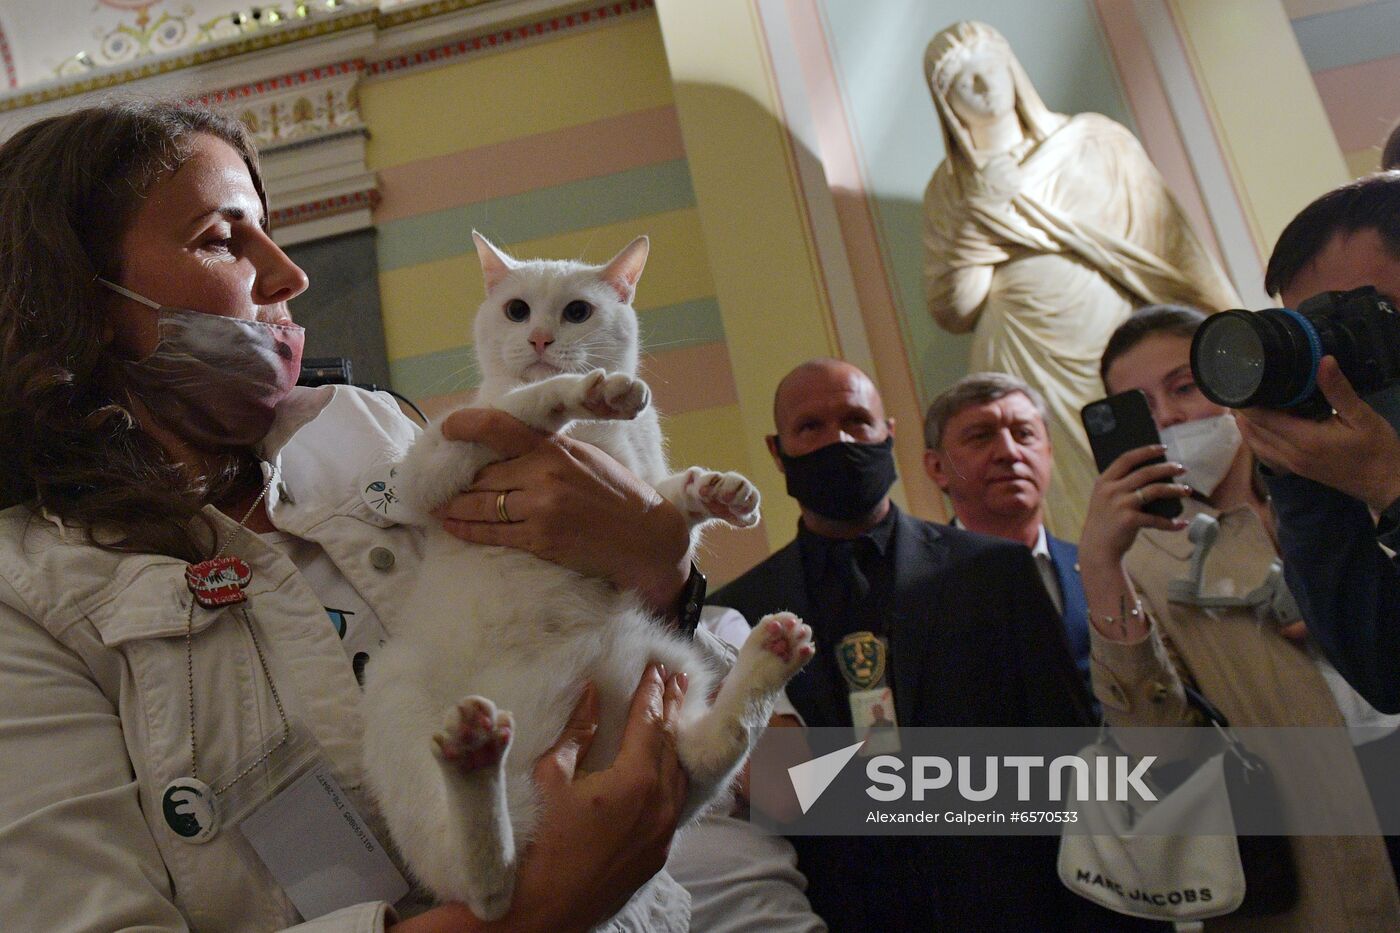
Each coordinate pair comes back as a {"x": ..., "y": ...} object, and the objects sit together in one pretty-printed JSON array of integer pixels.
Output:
[{"x": 1121, "y": 423}]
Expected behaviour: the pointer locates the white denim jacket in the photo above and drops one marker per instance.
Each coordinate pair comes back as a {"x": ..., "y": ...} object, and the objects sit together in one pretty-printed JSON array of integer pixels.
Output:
[
  {"x": 94, "y": 693},
  {"x": 94, "y": 702}
]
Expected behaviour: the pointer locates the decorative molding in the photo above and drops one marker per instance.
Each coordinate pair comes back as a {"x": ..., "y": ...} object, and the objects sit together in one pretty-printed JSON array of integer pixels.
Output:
[
  {"x": 308, "y": 128},
  {"x": 512, "y": 37},
  {"x": 8, "y": 58},
  {"x": 298, "y": 106},
  {"x": 364, "y": 199},
  {"x": 126, "y": 43},
  {"x": 326, "y": 225},
  {"x": 175, "y": 61},
  {"x": 294, "y": 30},
  {"x": 306, "y": 120},
  {"x": 402, "y": 15},
  {"x": 285, "y": 81}
]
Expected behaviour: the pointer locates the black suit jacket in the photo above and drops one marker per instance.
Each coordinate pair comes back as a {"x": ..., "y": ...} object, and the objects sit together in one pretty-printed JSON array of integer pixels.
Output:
[
  {"x": 974, "y": 636},
  {"x": 975, "y": 642}
]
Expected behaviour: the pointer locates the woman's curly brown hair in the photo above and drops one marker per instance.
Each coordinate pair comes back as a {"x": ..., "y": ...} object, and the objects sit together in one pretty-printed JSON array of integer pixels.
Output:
[{"x": 69, "y": 186}]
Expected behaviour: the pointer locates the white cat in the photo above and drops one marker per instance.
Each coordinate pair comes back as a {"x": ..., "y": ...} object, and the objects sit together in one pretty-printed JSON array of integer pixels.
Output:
[{"x": 459, "y": 707}]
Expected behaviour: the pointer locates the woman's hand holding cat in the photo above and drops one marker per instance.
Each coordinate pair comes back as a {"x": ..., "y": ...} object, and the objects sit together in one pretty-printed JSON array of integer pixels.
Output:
[
  {"x": 602, "y": 835},
  {"x": 570, "y": 504}
]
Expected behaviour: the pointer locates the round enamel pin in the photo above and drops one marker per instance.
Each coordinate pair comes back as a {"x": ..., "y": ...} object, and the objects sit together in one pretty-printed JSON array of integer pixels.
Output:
[{"x": 190, "y": 809}]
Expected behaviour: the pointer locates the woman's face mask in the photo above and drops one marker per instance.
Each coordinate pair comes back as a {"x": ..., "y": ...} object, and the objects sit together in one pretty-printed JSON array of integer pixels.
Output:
[
  {"x": 1206, "y": 447},
  {"x": 214, "y": 380}
]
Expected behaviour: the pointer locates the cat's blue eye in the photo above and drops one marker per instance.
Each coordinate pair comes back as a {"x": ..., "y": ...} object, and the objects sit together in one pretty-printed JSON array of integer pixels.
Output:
[
  {"x": 517, "y": 310},
  {"x": 576, "y": 312}
]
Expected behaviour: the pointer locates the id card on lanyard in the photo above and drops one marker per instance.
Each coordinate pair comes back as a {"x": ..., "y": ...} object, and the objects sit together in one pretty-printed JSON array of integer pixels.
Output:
[
  {"x": 306, "y": 830},
  {"x": 863, "y": 658}
]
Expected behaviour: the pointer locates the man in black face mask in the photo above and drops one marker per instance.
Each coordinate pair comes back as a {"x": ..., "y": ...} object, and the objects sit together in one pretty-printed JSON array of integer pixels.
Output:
[{"x": 936, "y": 627}]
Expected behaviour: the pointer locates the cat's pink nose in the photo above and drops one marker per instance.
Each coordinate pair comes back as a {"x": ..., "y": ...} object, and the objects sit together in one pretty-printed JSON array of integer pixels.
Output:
[{"x": 541, "y": 339}]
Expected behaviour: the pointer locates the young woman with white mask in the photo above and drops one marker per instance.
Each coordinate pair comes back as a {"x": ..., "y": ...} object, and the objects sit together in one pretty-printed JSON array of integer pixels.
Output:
[{"x": 1255, "y": 665}]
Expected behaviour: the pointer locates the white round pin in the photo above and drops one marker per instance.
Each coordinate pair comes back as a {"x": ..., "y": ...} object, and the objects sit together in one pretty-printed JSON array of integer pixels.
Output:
[{"x": 190, "y": 809}]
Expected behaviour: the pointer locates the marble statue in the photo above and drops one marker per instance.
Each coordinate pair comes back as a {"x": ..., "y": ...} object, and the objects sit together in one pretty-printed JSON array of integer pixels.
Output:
[{"x": 1041, "y": 233}]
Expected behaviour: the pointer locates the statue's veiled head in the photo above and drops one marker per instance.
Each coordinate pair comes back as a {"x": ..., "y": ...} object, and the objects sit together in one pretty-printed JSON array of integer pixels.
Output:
[
  {"x": 980, "y": 90},
  {"x": 975, "y": 80},
  {"x": 951, "y": 51}
]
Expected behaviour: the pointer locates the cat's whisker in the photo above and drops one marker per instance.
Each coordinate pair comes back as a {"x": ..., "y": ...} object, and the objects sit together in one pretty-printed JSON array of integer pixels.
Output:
[
  {"x": 455, "y": 381},
  {"x": 681, "y": 341}
]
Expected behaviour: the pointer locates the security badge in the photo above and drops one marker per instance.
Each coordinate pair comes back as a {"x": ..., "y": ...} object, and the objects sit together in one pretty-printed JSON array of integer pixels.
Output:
[{"x": 863, "y": 658}]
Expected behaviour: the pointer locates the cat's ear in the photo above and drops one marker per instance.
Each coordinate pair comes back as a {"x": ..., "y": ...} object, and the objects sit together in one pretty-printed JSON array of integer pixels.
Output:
[
  {"x": 624, "y": 269},
  {"x": 495, "y": 265}
]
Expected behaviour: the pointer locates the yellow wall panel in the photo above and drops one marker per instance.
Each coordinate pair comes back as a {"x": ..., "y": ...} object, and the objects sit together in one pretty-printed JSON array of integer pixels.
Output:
[
  {"x": 1363, "y": 161},
  {"x": 676, "y": 269},
  {"x": 578, "y": 78},
  {"x": 767, "y": 281},
  {"x": 430, "y": 306},
  {"x": 1245, "y": 52},
  {"x": 712, "y": 437}
]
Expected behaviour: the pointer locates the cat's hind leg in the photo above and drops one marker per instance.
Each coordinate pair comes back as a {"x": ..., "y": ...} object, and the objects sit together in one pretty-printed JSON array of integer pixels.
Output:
[
  {"x": 704, "y": 495},
  {"x": 443, "y": 798},
  {"x": 471, "y": 750},
  {"x": 712, "y": 747}
]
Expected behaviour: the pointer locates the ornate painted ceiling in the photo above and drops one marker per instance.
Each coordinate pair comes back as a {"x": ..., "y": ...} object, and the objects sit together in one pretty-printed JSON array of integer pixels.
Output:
[{"x": 44, "y": 40}]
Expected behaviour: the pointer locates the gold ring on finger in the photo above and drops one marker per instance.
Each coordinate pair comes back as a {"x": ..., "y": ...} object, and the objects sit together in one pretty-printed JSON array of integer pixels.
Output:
[
  {"x": 1142, "y": 500},
  {"x": 501, "y": 512}
]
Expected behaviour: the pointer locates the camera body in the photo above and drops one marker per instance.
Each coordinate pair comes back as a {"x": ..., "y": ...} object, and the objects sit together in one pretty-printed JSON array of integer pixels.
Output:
[
  {"x": 1269, "y": 358},
  {"x": 325, "y": 371}
]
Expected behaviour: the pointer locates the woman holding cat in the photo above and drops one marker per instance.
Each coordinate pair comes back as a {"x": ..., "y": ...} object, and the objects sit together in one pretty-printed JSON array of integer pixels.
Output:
[{"x": 176, "y": 519}]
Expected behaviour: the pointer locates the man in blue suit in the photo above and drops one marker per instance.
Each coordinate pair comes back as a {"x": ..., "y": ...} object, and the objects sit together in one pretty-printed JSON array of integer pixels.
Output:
[{"x": 987, "y": 447}]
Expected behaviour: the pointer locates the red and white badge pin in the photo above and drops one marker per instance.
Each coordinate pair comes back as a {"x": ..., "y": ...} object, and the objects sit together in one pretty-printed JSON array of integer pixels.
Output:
[{"x": 219, "y": 582}]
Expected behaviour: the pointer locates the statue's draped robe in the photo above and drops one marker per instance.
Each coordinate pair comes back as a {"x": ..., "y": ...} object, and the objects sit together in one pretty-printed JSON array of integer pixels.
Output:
[{"x": 1090, "y": 234}]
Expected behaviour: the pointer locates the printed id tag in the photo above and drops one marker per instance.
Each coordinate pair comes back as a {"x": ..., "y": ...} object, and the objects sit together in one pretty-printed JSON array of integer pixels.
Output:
[
  {"x": 872, "y": 714},
  {"x": 318, "y": 847},
  {"x": 306, "y": 830}
]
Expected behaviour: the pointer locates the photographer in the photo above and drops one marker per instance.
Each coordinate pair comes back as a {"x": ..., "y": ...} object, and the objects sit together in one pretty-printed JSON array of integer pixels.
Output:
[{"x": 1331, "y": 475}]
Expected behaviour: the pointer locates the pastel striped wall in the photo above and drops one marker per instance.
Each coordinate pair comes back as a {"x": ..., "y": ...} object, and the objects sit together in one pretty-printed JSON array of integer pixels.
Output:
[
  {"x": 1352, "y": 48},
  {"x": 561, "y": 148}
]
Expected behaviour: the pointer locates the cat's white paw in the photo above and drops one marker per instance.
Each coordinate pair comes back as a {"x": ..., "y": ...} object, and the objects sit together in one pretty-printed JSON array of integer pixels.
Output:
[
  {"x": 729, "y": 497},
  {"x": 475, "y": 736},
  {"x": 778, "y": 647},
  {"x": 614, "y": 396}
]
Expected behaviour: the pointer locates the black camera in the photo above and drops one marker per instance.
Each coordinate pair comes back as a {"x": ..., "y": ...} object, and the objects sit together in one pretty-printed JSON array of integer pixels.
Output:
[
  {"x": 325, "y": 371},
  {"x": 1269, "y": 358}
]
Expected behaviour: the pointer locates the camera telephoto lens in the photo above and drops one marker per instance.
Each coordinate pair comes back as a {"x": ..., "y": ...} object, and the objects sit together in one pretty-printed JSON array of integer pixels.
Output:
[
  {"x": 1269, "y": 358},
  {"x": 1244, "y": 358},
  {"x": 1229, "y": 351}
]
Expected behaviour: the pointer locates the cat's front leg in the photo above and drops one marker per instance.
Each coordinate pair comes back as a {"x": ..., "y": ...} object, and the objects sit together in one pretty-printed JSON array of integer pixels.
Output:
[
  {"x": 706, "y": 495},
  {"x": 436, "y": 469},
  {"x": 550, "y": 404},
  {"x": 712, "y": 748},
  {"x": 471, "y": 751}
]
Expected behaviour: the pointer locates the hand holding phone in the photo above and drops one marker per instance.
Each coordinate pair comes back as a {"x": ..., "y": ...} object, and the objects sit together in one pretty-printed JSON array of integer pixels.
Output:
[{"x": 1121, "y": 423}]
